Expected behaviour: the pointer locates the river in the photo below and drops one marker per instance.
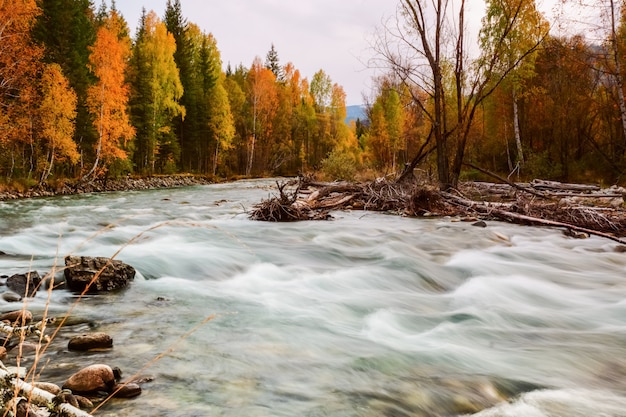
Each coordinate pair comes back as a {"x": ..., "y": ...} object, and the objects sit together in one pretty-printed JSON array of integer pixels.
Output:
[{"x": 369, "y": 314}]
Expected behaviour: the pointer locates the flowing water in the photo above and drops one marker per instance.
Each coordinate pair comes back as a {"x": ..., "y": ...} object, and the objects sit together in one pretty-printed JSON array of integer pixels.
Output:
[{"x": 367, "y": 315}]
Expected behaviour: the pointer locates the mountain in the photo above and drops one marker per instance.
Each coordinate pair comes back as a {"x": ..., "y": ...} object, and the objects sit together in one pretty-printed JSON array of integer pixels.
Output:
[{"x": 355, "y": 112}]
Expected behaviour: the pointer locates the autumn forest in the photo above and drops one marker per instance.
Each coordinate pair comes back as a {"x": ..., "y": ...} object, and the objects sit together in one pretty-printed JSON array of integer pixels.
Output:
[{"x": 82, "y": 99}]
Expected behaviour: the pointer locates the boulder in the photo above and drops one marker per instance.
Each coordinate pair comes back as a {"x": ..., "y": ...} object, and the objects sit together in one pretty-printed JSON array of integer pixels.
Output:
[
  {"x": 91, "y": 379},
  {"x": 90, "y": 341},
  {"x": 80, "y": 273},
  {"x": 25, "y": 285}
]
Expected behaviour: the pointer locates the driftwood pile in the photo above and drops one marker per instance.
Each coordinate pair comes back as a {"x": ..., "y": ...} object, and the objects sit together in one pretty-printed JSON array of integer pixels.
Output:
[{"x": 581, "y": 210}]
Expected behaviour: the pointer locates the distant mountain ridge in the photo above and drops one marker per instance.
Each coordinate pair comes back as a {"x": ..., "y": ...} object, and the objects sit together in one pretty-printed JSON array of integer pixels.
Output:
[{"x": 355, "y": 112}]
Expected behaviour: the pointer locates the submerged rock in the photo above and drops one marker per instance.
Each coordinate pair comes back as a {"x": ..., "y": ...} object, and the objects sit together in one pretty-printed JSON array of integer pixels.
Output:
[
  {"x": 96, "y": 274},
  {"x": 90, "y": 341},
  {"x": 19, "y": 316},
  {"x": 126, "y": 390},
  {"x": 25, "y": 284},
  {"x": 11, "y": 297}
]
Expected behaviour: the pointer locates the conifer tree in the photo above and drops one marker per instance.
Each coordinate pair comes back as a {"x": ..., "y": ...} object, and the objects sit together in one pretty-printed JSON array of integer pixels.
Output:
[
  {"x": 272, "y": 63},
  {"x": 178, "y": 26},
  {"x": 157, "y": 90},
  {"x": 67, "y": 28}
]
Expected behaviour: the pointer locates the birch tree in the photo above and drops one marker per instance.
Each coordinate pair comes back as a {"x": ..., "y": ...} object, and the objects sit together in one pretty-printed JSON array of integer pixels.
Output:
[
  {"x": 426, "y": 39},
  {"x": 107, "y": 100},
  {"x": 529, "y": 30},
  {"x": 58, "y": 110}
]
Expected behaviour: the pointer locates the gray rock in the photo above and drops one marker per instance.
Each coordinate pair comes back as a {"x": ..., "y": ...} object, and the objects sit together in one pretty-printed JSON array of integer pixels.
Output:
[
  {"x": 25, "y": 284},
  {"x": 80, "y": 274},
  {"x": 11, "y": 297}
]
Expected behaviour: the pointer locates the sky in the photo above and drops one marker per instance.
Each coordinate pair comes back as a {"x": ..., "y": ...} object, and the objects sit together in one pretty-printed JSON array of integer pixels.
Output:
[{"x": 330, "y": 35}]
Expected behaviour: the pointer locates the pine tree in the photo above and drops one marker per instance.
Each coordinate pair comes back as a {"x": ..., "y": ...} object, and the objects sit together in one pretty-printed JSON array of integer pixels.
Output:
[
  {"x": 157, "y": 90},
  {"x": 272, "y": 63},
  {"x": 178, "y": 26},
  {"x": 67, "y": 28}
]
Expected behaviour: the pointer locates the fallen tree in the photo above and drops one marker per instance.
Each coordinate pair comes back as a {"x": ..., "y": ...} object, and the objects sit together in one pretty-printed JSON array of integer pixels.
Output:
[{"x": 579, "y": 209}]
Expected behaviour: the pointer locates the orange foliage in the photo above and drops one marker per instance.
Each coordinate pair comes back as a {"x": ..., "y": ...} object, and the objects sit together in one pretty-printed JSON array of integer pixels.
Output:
[
  {"x": 19, "y": 62},
  {"x": 108, "y": 98},
  {"x": 58, "y": 109}
]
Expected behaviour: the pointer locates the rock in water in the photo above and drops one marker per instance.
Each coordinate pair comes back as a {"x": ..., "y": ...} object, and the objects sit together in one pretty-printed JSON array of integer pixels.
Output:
[
  {"x": 81, "y": 271},
  {"x": 127, "y": 390},
  {"x": 17, "y": 316},
  {"x": 25, "y": 284},
  {"x": 93, "y": 378},
  {"x": 11, "y": 297},
  {"x": 89, "y": 341}
]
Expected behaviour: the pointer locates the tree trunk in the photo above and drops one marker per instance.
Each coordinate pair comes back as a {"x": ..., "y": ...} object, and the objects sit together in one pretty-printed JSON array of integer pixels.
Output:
[
  {"x": 618, "y": 71},
  {"x": 518, "y": 136}
]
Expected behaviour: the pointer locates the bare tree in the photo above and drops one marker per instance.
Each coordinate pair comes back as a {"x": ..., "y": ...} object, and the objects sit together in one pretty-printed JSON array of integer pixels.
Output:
[{"x": 425, "y": 46}]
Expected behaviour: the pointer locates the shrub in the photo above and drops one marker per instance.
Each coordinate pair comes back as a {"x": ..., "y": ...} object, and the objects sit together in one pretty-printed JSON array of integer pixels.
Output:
[{"x": 339, "y": 166}]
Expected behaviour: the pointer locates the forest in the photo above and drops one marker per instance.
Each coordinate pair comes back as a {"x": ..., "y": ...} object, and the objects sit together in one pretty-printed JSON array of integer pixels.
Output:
[{"x": 80, "y": 99}]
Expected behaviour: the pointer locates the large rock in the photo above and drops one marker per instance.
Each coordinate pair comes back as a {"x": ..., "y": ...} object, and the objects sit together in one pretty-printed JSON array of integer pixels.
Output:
[
  {"x": 92, "y": 379},
  {"x": 25, "y": 285},
  {"x": 81, "y": 271}
]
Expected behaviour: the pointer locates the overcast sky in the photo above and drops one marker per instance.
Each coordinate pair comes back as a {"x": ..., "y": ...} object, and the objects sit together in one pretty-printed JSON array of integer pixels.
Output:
[{"x": 332, "y": 35}]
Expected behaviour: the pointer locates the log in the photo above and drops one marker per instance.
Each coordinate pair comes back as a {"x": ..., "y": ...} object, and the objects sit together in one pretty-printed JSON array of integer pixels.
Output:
[
  {"x": 333, "y": 202},
  {"x": 555, "y": 185},
  {"x": 38, "y": 396},
  {"x": 36, "y": 328},
  {"x": 486, "y": 209},
  {"x": 512, "y": 184}
]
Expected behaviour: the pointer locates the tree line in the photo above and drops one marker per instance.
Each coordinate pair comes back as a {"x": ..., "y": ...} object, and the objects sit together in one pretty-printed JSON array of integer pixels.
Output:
[
  {"x": 527, "y": 104},
  {"x": 81, "y": 98}
]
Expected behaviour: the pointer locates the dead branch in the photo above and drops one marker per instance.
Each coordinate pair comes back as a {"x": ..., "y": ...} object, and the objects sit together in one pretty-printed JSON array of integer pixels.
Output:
[
  {"x": 510, "y": 183},
  {"x": 522, "y": 218}
]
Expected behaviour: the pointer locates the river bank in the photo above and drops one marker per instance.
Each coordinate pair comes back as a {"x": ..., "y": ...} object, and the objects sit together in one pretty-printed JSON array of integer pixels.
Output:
[{"x": 104, "y": 185}]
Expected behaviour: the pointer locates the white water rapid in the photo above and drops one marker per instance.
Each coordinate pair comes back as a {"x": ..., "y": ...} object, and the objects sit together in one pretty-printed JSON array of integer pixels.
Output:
[{"x": 366, "y": 315}]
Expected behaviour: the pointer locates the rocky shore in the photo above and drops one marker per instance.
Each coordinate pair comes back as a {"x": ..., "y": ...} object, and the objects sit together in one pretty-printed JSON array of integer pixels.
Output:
[
  {"x": 102, "y": 185},
  {"x": 24, "y": 339}
]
